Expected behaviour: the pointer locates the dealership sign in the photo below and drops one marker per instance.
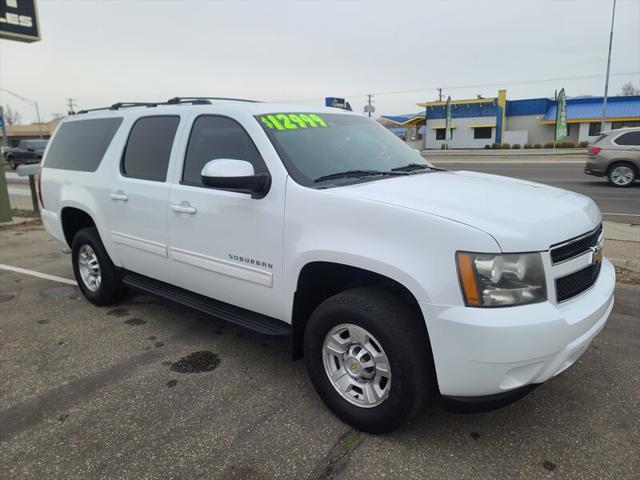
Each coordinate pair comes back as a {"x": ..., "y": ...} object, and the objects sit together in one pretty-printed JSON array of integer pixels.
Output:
[
  {"x": 561, "y": 116},
  {"x": 19, "y": 20}
]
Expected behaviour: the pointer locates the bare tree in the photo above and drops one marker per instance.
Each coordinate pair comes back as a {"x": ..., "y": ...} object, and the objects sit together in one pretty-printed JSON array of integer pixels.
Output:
[
  {"x": 11, "y": 116},
  {"x": 630, "y": 89}
]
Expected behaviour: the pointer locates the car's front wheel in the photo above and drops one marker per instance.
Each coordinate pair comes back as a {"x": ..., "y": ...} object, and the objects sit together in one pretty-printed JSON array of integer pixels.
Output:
[
  {"x": 13, "y": 163},
  {"x": 368, "y": 356},
  {"x": 622, "y": 174},
  {"x": 98, "y": 278}
]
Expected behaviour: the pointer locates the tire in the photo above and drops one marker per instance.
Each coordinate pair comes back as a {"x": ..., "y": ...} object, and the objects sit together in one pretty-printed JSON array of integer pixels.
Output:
[
  {"x": 622, "y": 174},
  {"x": 395, "y": 329},
  {"x": 12, "y": 163},
  {"x": 108, "y": 289}
]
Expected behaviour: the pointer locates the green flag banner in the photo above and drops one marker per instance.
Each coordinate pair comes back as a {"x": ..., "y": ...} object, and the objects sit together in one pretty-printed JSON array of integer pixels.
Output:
[
  {"x": 447, "y": 132},
  {"x": 561, "y": 116}
]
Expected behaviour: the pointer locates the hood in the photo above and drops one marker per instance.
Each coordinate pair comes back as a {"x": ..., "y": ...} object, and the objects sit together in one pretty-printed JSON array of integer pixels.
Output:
[{"x": 522, "y": 216}]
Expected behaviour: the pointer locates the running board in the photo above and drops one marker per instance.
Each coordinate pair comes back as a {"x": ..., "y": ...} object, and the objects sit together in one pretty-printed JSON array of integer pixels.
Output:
[{"x": 245, "y": 318}]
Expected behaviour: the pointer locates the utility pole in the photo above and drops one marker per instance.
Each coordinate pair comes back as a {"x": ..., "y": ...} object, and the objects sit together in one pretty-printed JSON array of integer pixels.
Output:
[
  {"x": 606, "y": 83},
  {"x": 33, "y": 103},
  {"x": 72, "y": 104},
  {"x": 370, "y": 104},
  {"x": 439, "y": 94}
]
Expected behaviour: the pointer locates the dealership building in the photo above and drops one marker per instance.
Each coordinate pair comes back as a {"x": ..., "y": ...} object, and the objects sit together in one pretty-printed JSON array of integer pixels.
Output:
[{"x": 478, "y": 122}]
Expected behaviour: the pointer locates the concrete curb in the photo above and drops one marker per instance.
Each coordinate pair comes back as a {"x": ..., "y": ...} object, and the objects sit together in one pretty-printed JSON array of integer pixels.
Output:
[
  {"x": 633, "y": 265},
  {"x": 538, "y": 152}
]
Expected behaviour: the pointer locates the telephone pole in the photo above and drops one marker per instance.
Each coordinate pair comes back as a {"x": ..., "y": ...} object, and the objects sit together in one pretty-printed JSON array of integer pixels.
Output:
[
  {"x": 439, "y": 94},
  {"x": 606, "y": 82},
  {"x": 370, "y": 108},
  {"x": 71, "y": 103}
]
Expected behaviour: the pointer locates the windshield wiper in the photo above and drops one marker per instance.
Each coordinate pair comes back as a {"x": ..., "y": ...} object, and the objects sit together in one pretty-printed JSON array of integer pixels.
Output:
[
  {"x": 416, "y": 166},
  {"x": 357, "y": 173}
]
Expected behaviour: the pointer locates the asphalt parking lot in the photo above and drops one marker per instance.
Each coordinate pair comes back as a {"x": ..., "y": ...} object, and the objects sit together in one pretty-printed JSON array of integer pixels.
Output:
[{"x": 91, "y": 392}]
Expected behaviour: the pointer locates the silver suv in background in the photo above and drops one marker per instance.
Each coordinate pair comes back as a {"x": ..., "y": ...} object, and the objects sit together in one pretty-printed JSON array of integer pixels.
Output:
[{"x": 616, "y": 155}]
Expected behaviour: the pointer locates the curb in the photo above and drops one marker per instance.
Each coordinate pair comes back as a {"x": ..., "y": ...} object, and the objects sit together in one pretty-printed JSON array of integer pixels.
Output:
[{"x": 632, "y": 265}]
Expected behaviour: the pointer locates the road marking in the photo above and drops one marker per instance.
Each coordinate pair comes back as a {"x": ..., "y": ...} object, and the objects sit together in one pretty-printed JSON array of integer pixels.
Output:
[{"x": 33, "y": 273}]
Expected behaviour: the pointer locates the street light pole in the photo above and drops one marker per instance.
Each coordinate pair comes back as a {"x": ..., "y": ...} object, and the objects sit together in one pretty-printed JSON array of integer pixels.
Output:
[
  {"x": 33, "y": 103},
  {"x": 606, "y": 83}
]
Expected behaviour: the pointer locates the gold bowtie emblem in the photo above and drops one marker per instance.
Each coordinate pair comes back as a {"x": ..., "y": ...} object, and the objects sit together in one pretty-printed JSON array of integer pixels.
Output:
[{"x": 354, "y": 365}]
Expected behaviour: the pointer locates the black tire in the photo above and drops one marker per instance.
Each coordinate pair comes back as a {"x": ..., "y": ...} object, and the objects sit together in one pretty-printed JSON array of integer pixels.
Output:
[
  {"x": 400, "y": 330},
  {"x": 12, "y": 163},
  {"x": 111, "y": 288},
  {"x": 630, "y": 168}
]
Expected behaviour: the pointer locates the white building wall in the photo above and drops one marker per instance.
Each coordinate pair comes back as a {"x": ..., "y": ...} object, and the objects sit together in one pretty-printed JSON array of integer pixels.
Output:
[
  {"x": 462, "y": 133},
  {"x": 583, "y": 134}
]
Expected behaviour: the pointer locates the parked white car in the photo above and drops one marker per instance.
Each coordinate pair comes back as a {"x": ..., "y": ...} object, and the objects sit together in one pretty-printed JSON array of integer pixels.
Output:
[{"x": 397, "y": 281}]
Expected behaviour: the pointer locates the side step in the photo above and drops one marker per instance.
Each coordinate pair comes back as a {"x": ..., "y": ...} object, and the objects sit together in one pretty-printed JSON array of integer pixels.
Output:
[{"x": 245, "y": 318}]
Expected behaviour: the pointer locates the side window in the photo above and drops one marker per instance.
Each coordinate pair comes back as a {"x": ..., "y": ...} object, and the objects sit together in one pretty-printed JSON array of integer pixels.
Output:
[
  {"x": 148, "y": 148},
  {"x": 630, "y": 138},
  {"x": 81, "y": 144},
  {"x": 215, "y": 137}
]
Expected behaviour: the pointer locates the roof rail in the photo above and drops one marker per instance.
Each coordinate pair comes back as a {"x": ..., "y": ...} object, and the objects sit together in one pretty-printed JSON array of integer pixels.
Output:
[
  {"x": 121, "y": 105},
  {"x": 205, "y": 100}
]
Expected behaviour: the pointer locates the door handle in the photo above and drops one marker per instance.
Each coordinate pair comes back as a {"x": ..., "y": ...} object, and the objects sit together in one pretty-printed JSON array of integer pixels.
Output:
[
  {"x": 119, "y": 195},
  {"x": 183, "y": 207}
]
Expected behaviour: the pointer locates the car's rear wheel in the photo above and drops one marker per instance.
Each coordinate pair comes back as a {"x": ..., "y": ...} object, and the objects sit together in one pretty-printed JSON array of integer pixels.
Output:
[
  {"x": 622, "y": 174},
  {"x": 368, "y": 356},
  {"x": 98, "y": 278}
]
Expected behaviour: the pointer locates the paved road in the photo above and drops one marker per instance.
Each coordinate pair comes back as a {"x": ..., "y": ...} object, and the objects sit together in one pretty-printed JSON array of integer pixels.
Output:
[
  {"x": 618, "y": 204},
  {"x": 91, "y": 392}
]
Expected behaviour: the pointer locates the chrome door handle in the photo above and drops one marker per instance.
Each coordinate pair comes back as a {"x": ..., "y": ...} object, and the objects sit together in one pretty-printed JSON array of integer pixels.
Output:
[
  {"x": 119, "y": 195},
  {"x": 183, "y": 207}
]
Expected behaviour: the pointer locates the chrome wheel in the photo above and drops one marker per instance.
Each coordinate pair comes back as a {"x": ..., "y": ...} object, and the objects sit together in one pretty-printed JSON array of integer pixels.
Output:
[
  {"x": 356, "y": 365},
  {"x": 622, "y": 175},
  {"x": 89, "y": 267}
]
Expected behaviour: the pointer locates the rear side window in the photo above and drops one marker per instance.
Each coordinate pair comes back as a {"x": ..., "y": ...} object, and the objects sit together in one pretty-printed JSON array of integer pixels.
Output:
[
  {"x": 630, "y": 138},
  {"x": 215, "y": 137},
  {"x": 80, "y": 145},
  {"x": 148, "y": 148}
]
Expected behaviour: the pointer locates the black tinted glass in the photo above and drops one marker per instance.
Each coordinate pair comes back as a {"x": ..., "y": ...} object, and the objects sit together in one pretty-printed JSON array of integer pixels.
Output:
[
  {"x": 631, "y": 138},
  {"x": 80, "y": 145},
  {"x": 217, "y": 137},
  {"x": 149, "y": 148}
]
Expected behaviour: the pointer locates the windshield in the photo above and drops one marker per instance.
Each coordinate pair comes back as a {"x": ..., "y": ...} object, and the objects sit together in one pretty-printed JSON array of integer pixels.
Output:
[{"x": 315, "y": 146}]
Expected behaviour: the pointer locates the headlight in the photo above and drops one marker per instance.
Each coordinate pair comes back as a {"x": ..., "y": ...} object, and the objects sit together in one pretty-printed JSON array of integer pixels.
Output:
[{"x": 489, "y": 280}]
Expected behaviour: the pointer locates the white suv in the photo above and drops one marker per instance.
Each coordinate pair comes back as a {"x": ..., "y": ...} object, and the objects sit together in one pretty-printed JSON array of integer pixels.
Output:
[{"x": 397, "y": 281}]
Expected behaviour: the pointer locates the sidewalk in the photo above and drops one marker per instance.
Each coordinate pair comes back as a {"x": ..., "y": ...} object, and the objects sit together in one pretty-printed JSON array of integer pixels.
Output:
[
  {"x": 535, "y": 156},
  {"x": 622, "y": 245}
]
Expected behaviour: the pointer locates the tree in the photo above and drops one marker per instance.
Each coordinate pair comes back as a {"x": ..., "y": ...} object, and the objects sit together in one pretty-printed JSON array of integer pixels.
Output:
[
  {"x": 11, "y": 116},
  {"x": 630, "y": 89}
]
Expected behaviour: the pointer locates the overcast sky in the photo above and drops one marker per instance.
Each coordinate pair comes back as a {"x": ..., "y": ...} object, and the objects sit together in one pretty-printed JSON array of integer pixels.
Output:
[{"x": 100, "y": 52}]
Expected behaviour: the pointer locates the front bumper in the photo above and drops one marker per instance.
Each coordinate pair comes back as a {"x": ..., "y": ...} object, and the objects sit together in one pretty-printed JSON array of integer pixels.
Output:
[{"x": 489, "y": 351}]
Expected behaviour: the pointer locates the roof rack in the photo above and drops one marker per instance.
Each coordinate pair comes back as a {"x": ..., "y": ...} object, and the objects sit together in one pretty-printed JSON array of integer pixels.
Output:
[
  {"x": 171, "y": 101},
  {"x": 205, "y": 100},
  {"x": 121, "y": 105}
]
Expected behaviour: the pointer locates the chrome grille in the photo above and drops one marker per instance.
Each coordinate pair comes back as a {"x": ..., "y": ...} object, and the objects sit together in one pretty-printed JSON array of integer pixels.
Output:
[{"x": 576, "y": 246}]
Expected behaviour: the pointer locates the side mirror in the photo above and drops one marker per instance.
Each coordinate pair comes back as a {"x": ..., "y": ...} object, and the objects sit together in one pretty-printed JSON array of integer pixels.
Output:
[{"x": 235, "y": 175}]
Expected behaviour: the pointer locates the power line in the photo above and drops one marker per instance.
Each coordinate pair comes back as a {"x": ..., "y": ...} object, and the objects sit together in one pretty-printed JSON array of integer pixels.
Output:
[{"x": 480, "y": 85}]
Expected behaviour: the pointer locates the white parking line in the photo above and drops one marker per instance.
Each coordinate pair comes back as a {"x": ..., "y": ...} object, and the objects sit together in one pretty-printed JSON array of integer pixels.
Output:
[{"x": 33, "y": 273}]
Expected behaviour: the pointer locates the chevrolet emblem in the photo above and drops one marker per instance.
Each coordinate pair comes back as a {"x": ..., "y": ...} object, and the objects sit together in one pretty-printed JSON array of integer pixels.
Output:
[{"x": 597, "y": 253}]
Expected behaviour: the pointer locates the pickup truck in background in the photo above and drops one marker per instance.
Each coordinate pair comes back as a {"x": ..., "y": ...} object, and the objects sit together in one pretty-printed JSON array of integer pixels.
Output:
[{"x": 27, "y": 151}]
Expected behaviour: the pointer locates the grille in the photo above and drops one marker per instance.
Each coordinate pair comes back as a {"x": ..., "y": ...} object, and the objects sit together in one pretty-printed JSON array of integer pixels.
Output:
[
  {"x": 577, "y": 282},
  {"x": 576, "y": 247}
]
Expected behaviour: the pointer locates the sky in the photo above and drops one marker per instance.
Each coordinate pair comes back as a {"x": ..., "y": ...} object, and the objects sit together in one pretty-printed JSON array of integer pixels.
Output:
[{"x": 102, "y": 52}]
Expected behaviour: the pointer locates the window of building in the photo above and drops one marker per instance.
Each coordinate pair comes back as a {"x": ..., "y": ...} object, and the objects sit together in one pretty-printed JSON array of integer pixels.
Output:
[
  {"x": 148, "y": 149},
  {"x": 440, "y": 133},
  {"x": 594, "y": 129},
  {"x": 482, "y": 132},
  {"x": 81, "y": 144},
  {"x": 626, "y": 123},
  {"x": 215, "y": 137},
  {"x": 630, "y": 138}
]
